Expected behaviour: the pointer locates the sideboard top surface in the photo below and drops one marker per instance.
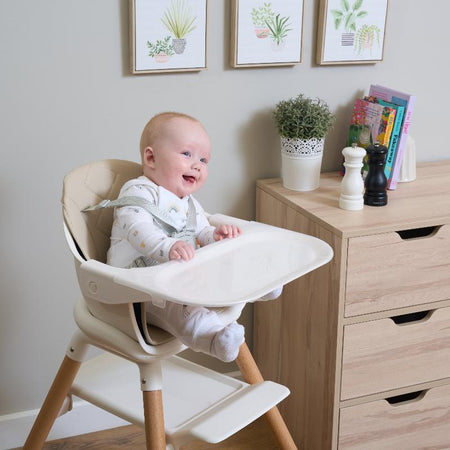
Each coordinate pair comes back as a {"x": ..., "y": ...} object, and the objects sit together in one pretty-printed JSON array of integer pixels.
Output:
[{"x": 420, "y": 203}]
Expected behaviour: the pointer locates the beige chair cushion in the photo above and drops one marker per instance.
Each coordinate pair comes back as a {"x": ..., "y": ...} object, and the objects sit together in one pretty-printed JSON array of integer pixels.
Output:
[{"x": 87, "y": 186}]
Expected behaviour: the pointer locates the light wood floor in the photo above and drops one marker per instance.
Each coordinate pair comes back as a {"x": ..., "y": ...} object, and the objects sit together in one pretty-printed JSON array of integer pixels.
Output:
[{"x": 257, "y": 436}]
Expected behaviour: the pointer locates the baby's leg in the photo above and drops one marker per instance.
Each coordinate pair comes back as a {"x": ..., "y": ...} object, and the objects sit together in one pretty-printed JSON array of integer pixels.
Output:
[{"x": 199, "y": 328}]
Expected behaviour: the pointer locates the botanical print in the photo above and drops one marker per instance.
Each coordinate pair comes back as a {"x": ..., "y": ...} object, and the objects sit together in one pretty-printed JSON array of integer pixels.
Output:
[
  {"x": 354, "y": 30},
  {"x": 170, "y": 34},
  {"x": 269, "y": 32}
]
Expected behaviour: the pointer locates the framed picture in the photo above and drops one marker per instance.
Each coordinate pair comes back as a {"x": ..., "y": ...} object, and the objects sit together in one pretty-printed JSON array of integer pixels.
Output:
[
  {"x": 351, "y": 31},
  {"x": 167, "y": 35},
  {"x": 266, "y": 33}
]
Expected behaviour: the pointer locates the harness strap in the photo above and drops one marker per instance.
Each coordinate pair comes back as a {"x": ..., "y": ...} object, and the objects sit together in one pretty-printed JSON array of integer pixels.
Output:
[
  {"x": 161, "y": 216},
  {"x": 187, "y": 234}
]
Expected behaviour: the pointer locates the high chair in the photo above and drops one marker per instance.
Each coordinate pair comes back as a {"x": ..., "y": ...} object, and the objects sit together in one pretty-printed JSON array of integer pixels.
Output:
[{"x": 180, "y": 401}]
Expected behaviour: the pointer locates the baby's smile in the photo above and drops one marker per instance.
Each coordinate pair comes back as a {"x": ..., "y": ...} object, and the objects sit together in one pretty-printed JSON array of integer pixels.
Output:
[{"x": 189, "y": 178}]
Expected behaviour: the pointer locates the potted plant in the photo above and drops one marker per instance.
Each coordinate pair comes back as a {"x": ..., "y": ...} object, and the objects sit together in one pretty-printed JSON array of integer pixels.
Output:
[
  {"x": 278, "y": 29},
  {"x": 161, "y": 51},
  {"x": 179, "y": 21},
  {"x": 260, "y": 17},
  {"x": 302, "y": 124}
]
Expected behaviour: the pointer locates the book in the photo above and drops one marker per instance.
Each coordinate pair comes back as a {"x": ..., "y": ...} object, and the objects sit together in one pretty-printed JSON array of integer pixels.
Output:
[
  {"x": 394, "y": 136},
  {"x": 369, "y": 124},
  {"x": 408, "y": 102},
  {"x": 369, "y": 114},
  {"x": 387, "y": 121}
]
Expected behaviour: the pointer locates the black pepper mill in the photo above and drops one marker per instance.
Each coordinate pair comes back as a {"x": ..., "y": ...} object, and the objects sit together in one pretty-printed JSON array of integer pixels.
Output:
[{"x": 376, "y": 181}]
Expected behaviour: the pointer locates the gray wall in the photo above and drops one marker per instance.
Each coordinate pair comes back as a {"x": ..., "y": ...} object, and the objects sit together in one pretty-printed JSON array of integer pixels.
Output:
[{"x": 67, "y": 98}]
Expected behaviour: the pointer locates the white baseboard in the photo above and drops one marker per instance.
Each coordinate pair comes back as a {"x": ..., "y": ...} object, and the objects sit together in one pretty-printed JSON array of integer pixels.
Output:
[{"x": 84, "y": 418}]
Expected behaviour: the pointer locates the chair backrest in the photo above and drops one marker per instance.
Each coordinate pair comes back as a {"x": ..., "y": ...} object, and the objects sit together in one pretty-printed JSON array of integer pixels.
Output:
[{"x": 87, "y": 186}]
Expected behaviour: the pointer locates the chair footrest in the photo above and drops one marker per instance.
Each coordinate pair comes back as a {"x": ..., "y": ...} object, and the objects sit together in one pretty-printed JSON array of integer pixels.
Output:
[
  {"x": 199, "y": 403},
  {"x": 230, "y": 416}
]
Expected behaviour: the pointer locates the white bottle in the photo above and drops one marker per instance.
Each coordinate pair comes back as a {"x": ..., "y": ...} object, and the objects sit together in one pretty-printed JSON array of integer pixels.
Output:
[{"x": 352, "y": 186}]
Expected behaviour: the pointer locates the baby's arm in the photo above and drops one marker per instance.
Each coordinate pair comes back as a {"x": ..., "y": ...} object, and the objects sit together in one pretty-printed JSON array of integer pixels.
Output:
[{"x": 143, "y": 234}]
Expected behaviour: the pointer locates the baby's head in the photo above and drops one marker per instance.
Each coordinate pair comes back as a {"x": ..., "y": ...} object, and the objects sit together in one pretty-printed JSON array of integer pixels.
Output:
[{"x": 175, "y": 150}]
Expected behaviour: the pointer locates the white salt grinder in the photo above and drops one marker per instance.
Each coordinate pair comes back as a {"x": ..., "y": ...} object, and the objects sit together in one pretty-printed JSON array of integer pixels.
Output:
[{"x": 352, "y": 186}]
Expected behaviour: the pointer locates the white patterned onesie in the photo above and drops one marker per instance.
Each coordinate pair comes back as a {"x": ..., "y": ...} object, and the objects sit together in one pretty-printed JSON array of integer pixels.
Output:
[{"x": 139, "y": 238}]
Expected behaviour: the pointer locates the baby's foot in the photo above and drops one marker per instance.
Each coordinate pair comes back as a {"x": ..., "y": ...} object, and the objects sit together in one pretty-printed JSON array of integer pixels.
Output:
[
  {"x": 227, "y": 341},
  {"x": 199, "y": 328},
  {"x": 272, "y": 295}
]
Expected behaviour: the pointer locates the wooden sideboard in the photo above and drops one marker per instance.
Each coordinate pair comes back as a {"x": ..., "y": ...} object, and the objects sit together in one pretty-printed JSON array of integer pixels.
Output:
[{"x": 363, "y": 343}]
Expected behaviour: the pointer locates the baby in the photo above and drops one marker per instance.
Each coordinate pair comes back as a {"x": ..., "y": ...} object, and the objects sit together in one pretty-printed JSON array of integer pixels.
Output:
[{"x": 161, "y": 221}]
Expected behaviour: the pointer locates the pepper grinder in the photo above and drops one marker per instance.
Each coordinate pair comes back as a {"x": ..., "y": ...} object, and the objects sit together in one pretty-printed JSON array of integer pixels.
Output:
[
  {"x": 376, "y": 181},
  {"x": 352, "y": 186}
]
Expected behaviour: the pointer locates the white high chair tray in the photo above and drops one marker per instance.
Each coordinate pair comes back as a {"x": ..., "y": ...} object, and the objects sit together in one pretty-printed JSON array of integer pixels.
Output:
[{"x": 232, "y": 271}]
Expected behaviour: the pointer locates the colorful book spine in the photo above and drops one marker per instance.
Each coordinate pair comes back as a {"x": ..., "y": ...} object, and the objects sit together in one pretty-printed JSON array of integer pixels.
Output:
[
  {"x": 396, "y": 130},
  {"x": 386, "y": 126},
  {"x": 401, "y": 99}
]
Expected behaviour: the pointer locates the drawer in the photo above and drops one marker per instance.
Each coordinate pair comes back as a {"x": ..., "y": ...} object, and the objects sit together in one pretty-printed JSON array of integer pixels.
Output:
[
  {"x": 423, "y": 422},
  {"x": 391, "y": 353},
  {"x": 398, "y": 269}
]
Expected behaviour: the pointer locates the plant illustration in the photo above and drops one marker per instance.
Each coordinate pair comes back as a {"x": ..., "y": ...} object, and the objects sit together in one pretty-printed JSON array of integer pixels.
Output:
[
  {"x": 278, "y": 28},
  {"x": 365, "y": 38},
  {"x": 178, "y": 19},
  {"x": 163, "y": 47},
  {"x": 348, "y": 15},
  {"x": 260, "y": 17}
]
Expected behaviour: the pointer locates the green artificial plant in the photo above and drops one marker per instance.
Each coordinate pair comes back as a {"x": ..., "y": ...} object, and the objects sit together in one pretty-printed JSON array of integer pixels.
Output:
[{"x": 303, "y": 118}]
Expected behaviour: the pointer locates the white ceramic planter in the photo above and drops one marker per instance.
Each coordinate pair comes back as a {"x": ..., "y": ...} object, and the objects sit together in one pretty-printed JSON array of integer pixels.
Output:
[{"x": 301, "y": 161}]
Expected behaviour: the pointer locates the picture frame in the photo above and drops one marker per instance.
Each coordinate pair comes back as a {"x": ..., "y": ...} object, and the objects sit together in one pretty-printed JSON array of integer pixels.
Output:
[
  {"x": 168, "y": 36},
  {"x": 351, "y": 31},
  {"x": 266, "y": 33}
]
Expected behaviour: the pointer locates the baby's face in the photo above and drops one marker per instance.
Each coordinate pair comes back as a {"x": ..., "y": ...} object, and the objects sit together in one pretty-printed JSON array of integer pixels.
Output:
[{"x": 179, "y": 160}]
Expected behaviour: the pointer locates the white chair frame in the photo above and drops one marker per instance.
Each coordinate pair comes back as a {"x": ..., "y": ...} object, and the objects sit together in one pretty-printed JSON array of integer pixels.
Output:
[{"x": 105, "y": 289}]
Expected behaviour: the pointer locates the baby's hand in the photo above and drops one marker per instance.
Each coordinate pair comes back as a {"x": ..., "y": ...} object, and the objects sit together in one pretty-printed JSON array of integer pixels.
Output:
[
  {"x": 181, "y": 250},
  {"x": 226, "y": 231}
]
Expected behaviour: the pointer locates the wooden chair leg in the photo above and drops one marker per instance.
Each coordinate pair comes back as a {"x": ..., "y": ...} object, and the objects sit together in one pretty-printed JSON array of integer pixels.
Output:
[
  {"x": 252, "y": 375},
  {"x": 155, "y": 433},
  {"x": 52, "y": 404}
]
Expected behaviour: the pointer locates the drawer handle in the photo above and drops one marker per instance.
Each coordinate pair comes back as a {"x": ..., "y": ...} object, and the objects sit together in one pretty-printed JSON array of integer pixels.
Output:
[
  {"x": 411, "y": 317},
  {"x": 415, "y": 233},
  {"x": 406, "y": 398}
]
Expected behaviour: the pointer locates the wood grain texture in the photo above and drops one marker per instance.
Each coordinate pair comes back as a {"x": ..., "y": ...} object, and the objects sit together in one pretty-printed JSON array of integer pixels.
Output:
[
  {"x": 421, "y": 203},
  {"x": 299, "y": 340},
  {"x": 299, "y": 347},
  {"x": 52, "y": 404},
  {"x": 387, "y": 272},
  {"x": 380, "y": 355},
  {"x": 252, "y": 375},
  {"x": 423, "y": 423}
]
